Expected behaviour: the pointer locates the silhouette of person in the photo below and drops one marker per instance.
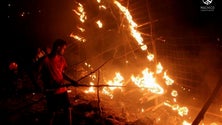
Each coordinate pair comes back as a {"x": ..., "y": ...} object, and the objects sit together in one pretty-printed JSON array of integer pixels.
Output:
[
  {"x": 13, "y": 76},
  {"x": 51, "y": 69},
  {"x": 32, "y": 68}
]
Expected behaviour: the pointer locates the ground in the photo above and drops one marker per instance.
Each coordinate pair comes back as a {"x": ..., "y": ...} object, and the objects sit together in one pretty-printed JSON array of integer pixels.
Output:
[{"x": 30, "y": 108}]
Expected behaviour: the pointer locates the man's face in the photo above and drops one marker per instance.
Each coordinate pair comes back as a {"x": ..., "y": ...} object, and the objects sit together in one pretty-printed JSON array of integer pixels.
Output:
[{"x": 61, "y": 50}]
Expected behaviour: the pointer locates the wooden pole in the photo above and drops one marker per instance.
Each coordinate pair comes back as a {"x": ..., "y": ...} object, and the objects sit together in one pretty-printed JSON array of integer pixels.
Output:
[
  {"x": 207, "y": 104},
  {"x": 98, "y": 96}
]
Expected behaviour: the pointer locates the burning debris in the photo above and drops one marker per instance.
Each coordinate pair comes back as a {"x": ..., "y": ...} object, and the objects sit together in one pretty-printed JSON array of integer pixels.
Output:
[{"x": 136, "y": 84}]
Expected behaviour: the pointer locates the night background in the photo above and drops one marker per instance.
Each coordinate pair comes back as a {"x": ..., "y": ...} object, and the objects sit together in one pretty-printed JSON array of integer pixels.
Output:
[
  {"x": 188, "y": 40},
  {"x": 36, "y": 23}
]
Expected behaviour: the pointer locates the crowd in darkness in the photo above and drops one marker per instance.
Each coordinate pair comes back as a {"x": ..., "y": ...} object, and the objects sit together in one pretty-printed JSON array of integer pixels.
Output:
[
  {"x": 18, "y": 71},
  {"x": 42, "y": 73}
]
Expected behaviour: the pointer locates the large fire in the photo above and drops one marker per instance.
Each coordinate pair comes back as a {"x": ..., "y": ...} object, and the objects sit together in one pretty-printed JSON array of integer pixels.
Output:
[{"x": 144, "y": 82}]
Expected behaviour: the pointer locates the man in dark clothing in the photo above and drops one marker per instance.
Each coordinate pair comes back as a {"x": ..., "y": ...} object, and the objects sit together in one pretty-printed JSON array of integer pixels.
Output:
[{"x": 52, "y": 68}]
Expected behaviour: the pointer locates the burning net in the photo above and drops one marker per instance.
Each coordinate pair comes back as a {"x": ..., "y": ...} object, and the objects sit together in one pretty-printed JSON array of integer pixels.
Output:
[{"x": 118, "y": 53}]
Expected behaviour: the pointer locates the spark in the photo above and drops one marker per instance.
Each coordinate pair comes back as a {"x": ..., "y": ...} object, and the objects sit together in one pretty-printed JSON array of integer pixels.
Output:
[
  {"x": 99, "y": 1},
  {"x": 22, "y": 14},
  {"x": 102, "y": 7},
  {"x": 180, "y": 110},
  {"x": 150, "y": 57},
  {"x": 174, "y": 93},
  {"x": 159, "y": 68},
  {"x": 168, "y": 80},
  {"x": 90, "y": 89},
  {"x": 81, "y": 29},
  {"x": 99, "y": 23}
]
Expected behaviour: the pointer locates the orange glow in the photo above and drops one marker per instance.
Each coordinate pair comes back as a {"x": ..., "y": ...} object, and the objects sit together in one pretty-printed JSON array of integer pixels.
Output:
[
  {"x": 81, "y": 29},
  {"x": 117, "y": 81},
  {"x": 81, "y": 13},
  {"x": 81, "y": 39},
  {"x": 99, "y": 23},
  {"x": 90, "y": 89},
  {"x": 132, "y": 25},
  {"x": 186, "y": 123},
  {"x": 159, "y": 68},
  {"x": 102, "y": 7},
  {"x": 98, "y": 1},
  {"x": 181, "y": 110},
  {"x": 150, "y": 57},
  {"x": 168, "y": 80},
  {"x": 174, "y": 93},
  {"x": 148, "y": 82}
]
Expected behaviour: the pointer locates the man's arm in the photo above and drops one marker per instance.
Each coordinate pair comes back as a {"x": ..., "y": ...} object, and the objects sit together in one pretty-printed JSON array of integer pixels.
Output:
[{"x": 66, "y": 77}]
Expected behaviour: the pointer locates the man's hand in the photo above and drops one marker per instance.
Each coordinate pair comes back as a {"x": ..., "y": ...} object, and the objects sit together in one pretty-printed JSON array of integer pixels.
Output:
[{"x": 73, "y": 82}]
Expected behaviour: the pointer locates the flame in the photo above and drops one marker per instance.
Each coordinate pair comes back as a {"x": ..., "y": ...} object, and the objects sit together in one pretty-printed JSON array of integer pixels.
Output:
[
  {"x": 102, "y": 7},
  {"x": 168, "y": 80},
  {"x": 147, "y": 81},
  {"x": 186, "y": 123},
  {"x": 87, "y": 64},
  {"x": 117, "y": 81},
  {"x": 181, "y": 110},
  {"x": 150, "y": 57},
  {"x": 213, "y": 123},
  {"x": 99, "y": 23},
  {"x": 81, "y": 29},
  {"x": 142, "y": 110},
  {"x": 132, "y": 25},
  {"x": 90, "y": 89},
  {"x": 159, "y": 68},
  {"x": 174, "y": 93},
  {"x": 81, "y": 13},
  {"x": 81, "y": 39}
]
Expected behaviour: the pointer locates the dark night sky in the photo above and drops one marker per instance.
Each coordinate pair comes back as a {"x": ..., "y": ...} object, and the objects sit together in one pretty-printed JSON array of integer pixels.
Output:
[
  {"x": 184, "y": 17},
  {"x": 37, "y": 22},
  {"x": 29, "y": 24},
  {"x": 34, "y": 23}
]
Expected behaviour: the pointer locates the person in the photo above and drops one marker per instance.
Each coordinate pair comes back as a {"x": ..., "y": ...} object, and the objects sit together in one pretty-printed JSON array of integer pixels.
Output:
[
  {"x": 52, "y": 69},
  {"x": 39, "y": 54},
  {"x": 13, "y": 78},
  {"x": 33, "y": 69},
  {"x": 47, "y": 50}
]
